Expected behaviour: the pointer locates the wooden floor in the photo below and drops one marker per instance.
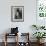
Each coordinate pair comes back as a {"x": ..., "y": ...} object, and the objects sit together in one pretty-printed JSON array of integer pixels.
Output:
[{"x": 13, "y": 44}]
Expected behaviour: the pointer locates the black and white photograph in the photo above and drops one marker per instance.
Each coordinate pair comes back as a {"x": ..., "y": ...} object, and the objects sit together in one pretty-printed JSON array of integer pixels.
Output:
[{"x": 17, "y": 13}]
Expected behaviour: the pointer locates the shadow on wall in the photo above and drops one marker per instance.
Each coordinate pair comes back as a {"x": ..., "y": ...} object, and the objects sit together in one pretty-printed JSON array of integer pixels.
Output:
[{"x": 32, "y": 38}]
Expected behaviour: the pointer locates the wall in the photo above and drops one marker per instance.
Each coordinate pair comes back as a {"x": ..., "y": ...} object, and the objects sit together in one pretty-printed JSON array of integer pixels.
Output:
[{"x": 29, "y": 15}]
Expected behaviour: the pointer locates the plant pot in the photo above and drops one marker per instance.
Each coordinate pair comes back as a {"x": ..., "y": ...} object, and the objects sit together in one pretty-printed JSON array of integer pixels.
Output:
[{"x": 40, "y": 41}]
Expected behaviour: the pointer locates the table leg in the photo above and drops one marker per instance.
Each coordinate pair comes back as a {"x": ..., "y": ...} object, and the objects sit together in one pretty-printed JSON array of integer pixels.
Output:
[{"x": 5, "y": 40}]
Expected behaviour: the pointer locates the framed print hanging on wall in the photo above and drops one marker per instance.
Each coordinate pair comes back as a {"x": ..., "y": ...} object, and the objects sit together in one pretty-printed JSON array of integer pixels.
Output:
[
  {"x": 17, "y": 13},
  {"x": 41, "y": 12}
]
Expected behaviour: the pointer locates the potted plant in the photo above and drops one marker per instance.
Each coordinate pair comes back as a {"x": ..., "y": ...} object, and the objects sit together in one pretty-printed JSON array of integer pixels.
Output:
[
  {"x": 38, "y": 27},
  {"x": 39, "y": 35}
]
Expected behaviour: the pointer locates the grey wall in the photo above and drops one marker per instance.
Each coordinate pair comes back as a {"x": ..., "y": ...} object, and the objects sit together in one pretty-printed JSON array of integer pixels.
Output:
[{"x": 29, "y": 15}]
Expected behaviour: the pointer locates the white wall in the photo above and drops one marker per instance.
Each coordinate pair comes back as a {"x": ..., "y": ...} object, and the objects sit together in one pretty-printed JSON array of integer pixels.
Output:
[{"x": 29, "y": 15}]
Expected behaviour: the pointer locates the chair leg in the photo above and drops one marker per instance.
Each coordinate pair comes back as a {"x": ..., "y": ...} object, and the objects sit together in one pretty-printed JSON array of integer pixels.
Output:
[
  {"x": 5, "y": 40},
  {"x": 5, "y": 43}
]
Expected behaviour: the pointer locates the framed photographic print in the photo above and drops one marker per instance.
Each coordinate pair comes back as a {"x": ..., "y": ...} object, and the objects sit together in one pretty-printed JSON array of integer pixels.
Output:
[
  {"x": 41, "y": 8},
  {"x": 41, "y": 12},
  {"x": 17, "y": 13}
]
